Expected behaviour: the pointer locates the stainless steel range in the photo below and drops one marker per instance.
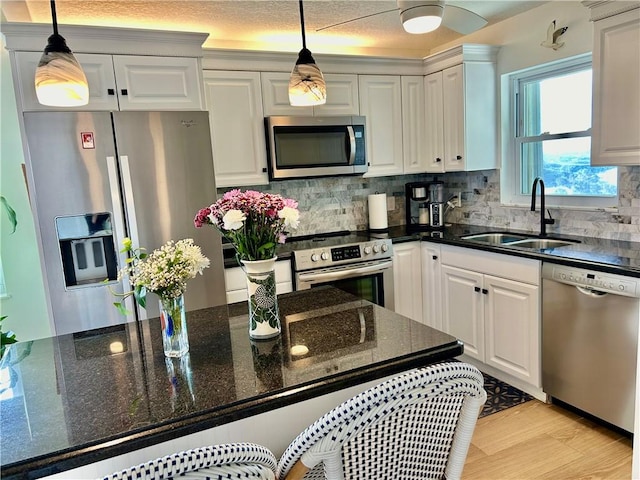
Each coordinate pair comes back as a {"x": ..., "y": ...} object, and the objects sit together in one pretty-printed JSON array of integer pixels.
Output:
[{"x": 353, "y": 262}]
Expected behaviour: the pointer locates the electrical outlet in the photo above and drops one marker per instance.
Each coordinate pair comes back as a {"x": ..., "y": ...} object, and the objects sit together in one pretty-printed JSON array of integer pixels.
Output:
[{"x": 458, "y": 200}]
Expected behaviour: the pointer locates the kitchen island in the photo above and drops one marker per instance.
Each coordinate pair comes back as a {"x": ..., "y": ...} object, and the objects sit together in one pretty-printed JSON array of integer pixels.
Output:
[{"x": 81, "y": 398}]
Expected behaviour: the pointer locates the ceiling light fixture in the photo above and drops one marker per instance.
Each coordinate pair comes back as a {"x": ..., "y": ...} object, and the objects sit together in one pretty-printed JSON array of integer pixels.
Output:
[
  {"x": 420, "y": 16},
  {"x": 306, "y": 84},
  {"x": 59, "y": 80}
]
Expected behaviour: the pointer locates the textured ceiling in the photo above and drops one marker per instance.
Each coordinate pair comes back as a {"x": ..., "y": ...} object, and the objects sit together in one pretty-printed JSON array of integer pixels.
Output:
[{"x": 266, "y": 24}]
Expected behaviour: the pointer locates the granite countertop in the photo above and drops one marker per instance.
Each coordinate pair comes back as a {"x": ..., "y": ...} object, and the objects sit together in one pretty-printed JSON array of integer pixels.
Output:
[
  {"x": 81, "y": 398},
  {"x": 612, "y": 256}
]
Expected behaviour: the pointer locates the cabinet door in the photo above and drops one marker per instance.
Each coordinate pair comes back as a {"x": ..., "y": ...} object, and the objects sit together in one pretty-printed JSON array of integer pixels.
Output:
[
  {"x": 342, "y": 95},
  {"x": 97, "y": 68},
  {"x": 236, "y": 281},
  {"x": 431, "y": 286},
  {"x": 158, "y": 83},
  {"x": 511, "y": 328},
  {"x": 275, "y": 95},
  {"x": 453, "y": 98},
  {"x": 615, "y": 135},
  {"x": 434, "y": 123},
  {"x": 413, "y": 125},
  {"x": 407, "y": 280},
  {"x": 462, "y": 312},
  {"x": 234, "y": 103},
  {"x": 380, "y": 103}
]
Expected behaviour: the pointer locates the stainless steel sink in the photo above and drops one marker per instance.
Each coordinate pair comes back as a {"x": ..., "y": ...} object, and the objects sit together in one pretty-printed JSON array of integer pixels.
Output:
[
  {"x": 497, "y": 238},
  {"x": 540, "y": 243}
]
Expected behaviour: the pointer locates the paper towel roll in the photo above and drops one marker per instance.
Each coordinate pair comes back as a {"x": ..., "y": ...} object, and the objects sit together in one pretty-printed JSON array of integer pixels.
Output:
[{"x": 378, "y": 211}]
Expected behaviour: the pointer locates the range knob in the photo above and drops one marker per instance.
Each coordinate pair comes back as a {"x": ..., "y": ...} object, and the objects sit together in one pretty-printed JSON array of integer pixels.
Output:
[
  {"x": 314, "y": 257},
  {"x": 324, "y": 256},
  {"x": 367, "y": 250},
  {"x": 376, "y": 249},
  {"x": 385, "y": 247}
]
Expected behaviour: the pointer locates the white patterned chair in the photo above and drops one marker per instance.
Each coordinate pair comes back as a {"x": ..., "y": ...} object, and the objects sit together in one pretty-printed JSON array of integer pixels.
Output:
[
  {"x": 216, "y": 462},
  {"x": 417, "y": 425}
]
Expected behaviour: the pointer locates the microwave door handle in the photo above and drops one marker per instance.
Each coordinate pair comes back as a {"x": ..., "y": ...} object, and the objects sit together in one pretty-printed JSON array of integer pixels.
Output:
[{"x": 351, "y": 152}]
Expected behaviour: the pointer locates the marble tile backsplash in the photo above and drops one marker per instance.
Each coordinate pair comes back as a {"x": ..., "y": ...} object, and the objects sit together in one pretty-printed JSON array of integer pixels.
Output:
[{"x": 340, "y": 203}]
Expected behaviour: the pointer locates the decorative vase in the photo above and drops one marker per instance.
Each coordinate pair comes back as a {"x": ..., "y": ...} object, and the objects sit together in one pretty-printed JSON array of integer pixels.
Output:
[
  {"x": 173, "y": 319},
  {"x": 264, "y": 318}
]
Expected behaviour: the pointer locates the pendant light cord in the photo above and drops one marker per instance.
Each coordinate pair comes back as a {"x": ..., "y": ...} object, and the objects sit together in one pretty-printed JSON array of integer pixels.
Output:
[
  {"x": 304, "y": 41},
  {"x": 54, "y": 18}
]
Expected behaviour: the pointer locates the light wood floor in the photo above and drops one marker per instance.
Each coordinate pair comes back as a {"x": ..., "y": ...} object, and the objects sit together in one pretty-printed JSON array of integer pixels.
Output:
[{"x": 540, "y": 441}]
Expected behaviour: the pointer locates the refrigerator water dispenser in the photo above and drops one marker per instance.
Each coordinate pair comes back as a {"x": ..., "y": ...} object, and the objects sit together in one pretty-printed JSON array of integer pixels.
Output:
[{"x": 87, "y": 248}]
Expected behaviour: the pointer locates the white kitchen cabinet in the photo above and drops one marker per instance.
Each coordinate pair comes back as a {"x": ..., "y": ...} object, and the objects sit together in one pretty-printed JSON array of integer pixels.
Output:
[
  {"x": 431, "y": 285},
  {"x": 407, "y": 280},
  {"x": 124, "y": 82},
  {"x": 491, "y": 303},
  {"x": 342, "y": 95},
  {"x": 461, "y": 114},
  {"x": 381, "y": 104},
  {"x": 434, "y": 124},
  {"x": 236, "y": 281},
  {"x": 615, "y": 133},
  {"x": 236, "y": 119},
  {"x": 413, "y": 125}
]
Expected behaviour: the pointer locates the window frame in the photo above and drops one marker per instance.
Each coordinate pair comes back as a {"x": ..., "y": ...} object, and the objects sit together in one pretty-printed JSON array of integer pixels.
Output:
[{"x": 511, "y": 175}]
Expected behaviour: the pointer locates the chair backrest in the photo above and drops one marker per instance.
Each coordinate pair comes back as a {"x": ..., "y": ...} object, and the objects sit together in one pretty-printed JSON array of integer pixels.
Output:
[
  {"x": 231, "y": 460},
  {"x": 417, "y": 425}
]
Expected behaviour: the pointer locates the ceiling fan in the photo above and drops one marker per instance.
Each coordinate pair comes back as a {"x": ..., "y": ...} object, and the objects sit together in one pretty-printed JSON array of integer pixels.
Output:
[{"x": 422, "y": 16}]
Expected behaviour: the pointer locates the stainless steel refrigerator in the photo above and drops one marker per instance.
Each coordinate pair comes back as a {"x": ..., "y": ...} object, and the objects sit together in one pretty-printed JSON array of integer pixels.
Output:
[{"x": 97, "y": 177}]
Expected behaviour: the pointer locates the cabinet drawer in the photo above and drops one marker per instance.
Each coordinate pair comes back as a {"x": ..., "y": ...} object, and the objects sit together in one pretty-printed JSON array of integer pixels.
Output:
[{"x": 504, "y": 266}]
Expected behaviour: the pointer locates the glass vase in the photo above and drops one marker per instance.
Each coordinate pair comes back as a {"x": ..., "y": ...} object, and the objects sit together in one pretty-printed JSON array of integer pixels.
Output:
[
  {"x": 173, "y": 320},
  {"x": 264, "y": 318}
]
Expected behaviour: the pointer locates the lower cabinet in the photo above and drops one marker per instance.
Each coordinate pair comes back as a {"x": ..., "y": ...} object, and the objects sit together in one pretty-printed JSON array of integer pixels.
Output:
[
  {"x": 431, "y": 285},
  {"x": 491, "y": 302},
  {"x": 407, "y": 280},
  {"x": 236, "y": 281}
]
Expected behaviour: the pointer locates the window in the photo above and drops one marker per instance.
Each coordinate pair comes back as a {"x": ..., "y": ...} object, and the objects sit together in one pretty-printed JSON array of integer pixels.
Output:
[{"x": 551, "y": 138}]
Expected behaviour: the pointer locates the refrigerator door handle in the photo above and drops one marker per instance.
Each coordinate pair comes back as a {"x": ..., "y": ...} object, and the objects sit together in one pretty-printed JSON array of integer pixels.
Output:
[{"x": 118, "y": 227}]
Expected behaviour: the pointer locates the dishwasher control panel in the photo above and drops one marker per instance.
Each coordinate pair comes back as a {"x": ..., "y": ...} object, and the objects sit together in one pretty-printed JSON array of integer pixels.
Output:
[{"x": 603, "y": 282}]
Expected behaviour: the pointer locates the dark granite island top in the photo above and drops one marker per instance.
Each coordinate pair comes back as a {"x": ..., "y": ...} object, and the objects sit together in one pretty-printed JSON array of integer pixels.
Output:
[{"x": 80, "y": 398}]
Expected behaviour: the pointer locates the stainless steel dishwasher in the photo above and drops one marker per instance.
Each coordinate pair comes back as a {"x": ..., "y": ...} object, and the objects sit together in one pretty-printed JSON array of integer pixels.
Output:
[{"x": 590, "y": 341}]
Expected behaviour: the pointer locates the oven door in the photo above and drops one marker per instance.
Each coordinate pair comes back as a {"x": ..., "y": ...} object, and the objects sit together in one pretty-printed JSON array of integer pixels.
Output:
[{"x": 372, "y": 281}]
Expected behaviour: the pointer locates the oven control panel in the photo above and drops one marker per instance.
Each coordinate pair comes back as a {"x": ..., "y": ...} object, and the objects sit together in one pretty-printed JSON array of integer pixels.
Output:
[{"x": 343, "y": 254}]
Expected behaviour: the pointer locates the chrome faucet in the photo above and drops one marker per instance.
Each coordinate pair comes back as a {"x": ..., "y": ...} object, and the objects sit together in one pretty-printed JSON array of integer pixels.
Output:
[{"x": 543, "y": 221}]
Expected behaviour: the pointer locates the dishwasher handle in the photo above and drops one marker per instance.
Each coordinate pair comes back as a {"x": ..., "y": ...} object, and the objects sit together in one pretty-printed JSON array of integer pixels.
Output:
[{"x": 590, "y": 292}]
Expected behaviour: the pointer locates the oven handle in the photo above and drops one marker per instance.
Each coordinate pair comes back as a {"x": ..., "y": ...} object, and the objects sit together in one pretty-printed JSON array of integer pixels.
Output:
[{"x": 344, "y": 273}]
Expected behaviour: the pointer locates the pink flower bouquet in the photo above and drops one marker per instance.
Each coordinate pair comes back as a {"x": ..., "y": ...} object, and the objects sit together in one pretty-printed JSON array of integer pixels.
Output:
[{"x": 253, "y": 222}]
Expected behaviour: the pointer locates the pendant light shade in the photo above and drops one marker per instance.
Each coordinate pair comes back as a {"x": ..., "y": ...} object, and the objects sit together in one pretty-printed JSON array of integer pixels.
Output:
[
  {"x": 421, "y": 16},
  {"x": 59, "y": 80},
  {"x": 306, "y": 84}
]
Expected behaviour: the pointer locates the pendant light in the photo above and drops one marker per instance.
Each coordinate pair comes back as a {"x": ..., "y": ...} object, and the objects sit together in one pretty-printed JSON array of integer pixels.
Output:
[
  {"x": 60, "y": 81},
  {"x": 420, "y": 16},
  {"x": 306, "y": 85}
]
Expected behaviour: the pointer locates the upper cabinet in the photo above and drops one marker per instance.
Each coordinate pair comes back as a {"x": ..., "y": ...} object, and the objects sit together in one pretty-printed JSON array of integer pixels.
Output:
[
  {"x": 414, "y": 149},
  {"x": 461, "y": 110},
  {"x": 342, "y": 95},
  {"x": 124, "y": 82},
  {"x": 615, "y": 134},
  {"x": 236, "y": 119},
  {"x": 381, "y": 104}
]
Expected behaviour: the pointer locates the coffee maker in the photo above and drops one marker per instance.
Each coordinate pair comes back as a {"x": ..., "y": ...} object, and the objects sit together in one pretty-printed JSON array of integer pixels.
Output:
[
  {"x": 436, "y": 204},
  {"x": 424, "y": 205}
]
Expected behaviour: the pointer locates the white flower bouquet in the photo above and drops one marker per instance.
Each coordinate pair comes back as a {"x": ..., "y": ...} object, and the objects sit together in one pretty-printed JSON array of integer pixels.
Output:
[
  {"x": 164, "y": 272},
  {"x": 254, "y": 222}
]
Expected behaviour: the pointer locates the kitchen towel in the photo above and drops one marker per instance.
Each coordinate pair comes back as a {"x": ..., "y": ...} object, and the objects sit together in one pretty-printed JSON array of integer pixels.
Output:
[{"x": 378, "y": 211}]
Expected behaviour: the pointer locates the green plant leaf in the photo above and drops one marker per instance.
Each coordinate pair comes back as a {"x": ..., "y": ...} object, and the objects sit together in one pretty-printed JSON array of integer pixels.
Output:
[
  {"x": 140, "y": 294},
  {"x": 11, "y": 213},
  {"x": 122, "y": 309}
]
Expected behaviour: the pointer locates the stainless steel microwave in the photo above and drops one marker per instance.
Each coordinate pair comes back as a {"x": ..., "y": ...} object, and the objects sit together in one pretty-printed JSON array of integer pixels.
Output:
[{"x": 302, "y": 147}]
